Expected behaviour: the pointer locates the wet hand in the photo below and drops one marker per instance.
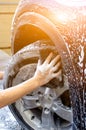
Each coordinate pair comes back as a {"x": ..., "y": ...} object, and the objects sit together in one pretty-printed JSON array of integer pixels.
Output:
[{"x": 48, "y": 70}]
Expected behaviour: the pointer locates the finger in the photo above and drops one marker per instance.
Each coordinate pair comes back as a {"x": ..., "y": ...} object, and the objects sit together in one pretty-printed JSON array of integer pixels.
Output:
[
  {"x": 56, "y": 67},
  {"x": 56, "y": 75},
  {"x": 55, "y": 60},
  {"x": 39, "y": 62},
  {"x": 48, "y": 59}
]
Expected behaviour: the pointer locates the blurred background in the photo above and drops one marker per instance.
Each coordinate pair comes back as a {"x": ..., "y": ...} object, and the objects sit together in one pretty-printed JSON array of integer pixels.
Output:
[{"x": 7, "y": 9}]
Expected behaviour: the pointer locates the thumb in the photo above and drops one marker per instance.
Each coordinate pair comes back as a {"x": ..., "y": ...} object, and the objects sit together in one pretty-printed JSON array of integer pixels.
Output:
[{"x": 39, "y": 63}]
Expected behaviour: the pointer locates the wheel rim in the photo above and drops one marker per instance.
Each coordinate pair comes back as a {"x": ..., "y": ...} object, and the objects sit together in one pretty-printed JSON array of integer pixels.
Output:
[{"x": 42, "y": 109}]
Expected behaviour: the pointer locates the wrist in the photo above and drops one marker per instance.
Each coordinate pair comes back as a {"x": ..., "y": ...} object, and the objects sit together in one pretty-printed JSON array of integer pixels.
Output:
[{"x": 37, "y": 81}]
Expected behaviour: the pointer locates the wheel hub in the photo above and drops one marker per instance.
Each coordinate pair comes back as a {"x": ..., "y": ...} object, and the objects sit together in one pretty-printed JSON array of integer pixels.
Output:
[{"x": 47, "y": 100}]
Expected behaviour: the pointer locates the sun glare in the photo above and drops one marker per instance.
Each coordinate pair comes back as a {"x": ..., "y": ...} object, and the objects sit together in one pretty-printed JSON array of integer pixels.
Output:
[{"x": 63, "y": 17}]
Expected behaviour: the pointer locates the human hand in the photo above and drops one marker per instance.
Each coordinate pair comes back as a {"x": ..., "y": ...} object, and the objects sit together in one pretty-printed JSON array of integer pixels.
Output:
[{"x": 48, "y": 70}]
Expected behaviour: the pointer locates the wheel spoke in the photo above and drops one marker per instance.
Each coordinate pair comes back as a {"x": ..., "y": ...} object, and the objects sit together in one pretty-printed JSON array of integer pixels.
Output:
[
  {"x": 30, "y": 102},
  {"x": 62, "y": 111},
  {"x": 60, "y": 91},
  {"x": 30, "y": 98},
  {"x": 47, "y": 119}
]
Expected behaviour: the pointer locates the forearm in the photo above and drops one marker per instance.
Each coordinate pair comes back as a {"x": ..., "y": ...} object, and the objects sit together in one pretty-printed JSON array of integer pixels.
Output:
[
  {"x": 12, "y": 94},
  {"x": 44, "y": 73}
]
